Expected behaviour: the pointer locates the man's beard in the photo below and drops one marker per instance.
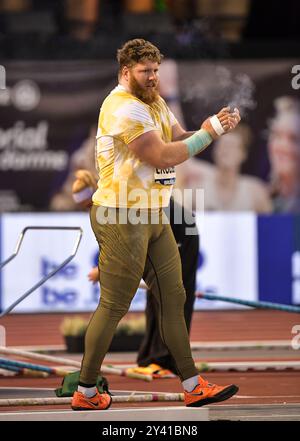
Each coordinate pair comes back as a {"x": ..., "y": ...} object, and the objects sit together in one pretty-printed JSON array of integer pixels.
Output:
[{"x": 148, "y": 95}]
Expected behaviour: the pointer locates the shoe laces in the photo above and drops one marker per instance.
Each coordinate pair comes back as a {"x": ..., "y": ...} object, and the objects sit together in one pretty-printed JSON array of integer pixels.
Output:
[{"x": 205, "y": 383}]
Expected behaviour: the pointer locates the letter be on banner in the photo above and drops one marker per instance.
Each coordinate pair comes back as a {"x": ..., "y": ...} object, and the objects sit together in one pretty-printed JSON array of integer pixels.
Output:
[{"x": 2, "y": 77}]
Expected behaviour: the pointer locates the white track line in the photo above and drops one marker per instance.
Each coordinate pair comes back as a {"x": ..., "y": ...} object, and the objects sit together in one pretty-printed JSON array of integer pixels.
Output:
[
  {"x": 253, "y": 365},
  {"x": 250, "y": 344},
  {"x": 238, "y": 365},
  {"x": 116, "y": 392},
  {"x": 222, "y": 345},
  {"x": 173, "y": 413}
]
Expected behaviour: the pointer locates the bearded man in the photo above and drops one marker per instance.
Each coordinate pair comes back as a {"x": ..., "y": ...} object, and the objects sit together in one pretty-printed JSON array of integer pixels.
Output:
[{"x": 139, "y": 143}]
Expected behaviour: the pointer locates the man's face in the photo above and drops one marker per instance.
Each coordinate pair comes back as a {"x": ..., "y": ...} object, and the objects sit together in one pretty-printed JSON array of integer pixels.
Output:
[{"x": 143, "y": 79}]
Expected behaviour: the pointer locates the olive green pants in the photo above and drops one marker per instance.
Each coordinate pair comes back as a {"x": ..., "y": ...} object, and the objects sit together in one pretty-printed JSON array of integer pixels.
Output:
[{"x": 128, "y": 253}]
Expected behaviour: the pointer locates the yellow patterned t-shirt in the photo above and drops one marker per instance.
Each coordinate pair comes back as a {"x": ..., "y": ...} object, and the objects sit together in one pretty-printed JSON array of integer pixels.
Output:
[{"x": 125, "y": 180}]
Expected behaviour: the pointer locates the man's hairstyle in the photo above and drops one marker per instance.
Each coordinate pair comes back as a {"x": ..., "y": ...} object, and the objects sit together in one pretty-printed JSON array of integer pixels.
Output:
[{"x": 136, "y": 51}]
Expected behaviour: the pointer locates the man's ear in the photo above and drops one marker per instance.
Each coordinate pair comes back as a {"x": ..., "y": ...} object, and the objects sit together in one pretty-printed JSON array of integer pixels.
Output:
[{"x": 125, "y": 73}]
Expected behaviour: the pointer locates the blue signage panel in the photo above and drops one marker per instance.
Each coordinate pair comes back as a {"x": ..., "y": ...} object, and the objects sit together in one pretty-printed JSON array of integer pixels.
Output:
[{"x": 276, "y": 246}]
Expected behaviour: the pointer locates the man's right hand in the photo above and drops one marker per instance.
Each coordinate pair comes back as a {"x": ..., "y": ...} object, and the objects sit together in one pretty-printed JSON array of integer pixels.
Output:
[
  {"x": 93, "y": 275},
  {"x": 83, "y": 188}
]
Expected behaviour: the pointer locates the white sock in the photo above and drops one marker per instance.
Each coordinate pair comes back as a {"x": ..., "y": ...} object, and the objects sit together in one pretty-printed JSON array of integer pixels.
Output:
[
  {"x": 87, "y": 391},
  {"x": 190, "y": 383}
]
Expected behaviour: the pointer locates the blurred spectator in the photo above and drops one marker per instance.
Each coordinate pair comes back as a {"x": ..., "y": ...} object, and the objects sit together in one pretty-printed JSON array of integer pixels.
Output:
[
  {"x": 82, "y": 17},
  {"x": 83, "y": 158},
  {"x": 182, "y": 11},
  {"x": 284, "y": 153},
  {"x": 225, "y": 188},
  {"x": 138, "y": 6},
  {"x": 15, "y": 5}
]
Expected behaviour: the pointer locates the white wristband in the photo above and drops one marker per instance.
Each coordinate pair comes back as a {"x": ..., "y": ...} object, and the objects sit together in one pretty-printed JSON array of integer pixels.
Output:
[
  {"x": 217, "y": 126},
  {"x": 83, "y": 195}
]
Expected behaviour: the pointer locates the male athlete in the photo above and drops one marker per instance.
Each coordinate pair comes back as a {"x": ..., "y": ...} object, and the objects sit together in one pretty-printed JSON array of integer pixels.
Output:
[{"x": 139, "y": 142}]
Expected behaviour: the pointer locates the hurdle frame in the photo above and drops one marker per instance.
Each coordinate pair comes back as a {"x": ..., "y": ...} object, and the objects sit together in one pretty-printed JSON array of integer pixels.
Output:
[{"x": 52, "y": 273}]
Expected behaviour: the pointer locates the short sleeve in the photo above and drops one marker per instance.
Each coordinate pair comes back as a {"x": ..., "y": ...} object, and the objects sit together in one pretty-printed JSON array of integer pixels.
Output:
[
  {"x": 173, "y": 120},
  {"x": 133, "y": 119}
]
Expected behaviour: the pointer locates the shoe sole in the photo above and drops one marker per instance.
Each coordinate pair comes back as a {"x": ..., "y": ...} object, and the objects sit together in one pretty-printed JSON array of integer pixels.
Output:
[
  {"x": 90, "y": 408},
  {"x": 225, "y": 394}
]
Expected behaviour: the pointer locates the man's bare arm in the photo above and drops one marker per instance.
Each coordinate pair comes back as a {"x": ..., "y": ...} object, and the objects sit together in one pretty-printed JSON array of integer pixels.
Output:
[
  {"x": 151, "y": 149},
  {"x": 179, "y": 134}
]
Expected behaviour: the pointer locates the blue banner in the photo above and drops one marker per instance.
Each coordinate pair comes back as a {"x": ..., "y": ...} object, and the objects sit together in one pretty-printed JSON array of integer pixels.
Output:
[{"x": 276, "y": 246}]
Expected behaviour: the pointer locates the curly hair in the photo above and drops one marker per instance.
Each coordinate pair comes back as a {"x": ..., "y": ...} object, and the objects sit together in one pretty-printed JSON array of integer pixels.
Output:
[{"x": 136, "y": 51}]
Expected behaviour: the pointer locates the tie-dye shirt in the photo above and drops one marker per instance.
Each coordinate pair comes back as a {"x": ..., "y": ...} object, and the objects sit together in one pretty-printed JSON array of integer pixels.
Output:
[{"x": 125, "y": 180}]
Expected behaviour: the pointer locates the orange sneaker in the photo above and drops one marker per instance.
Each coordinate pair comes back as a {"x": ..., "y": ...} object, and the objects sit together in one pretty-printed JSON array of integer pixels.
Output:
[
  {"x": 97, "y": 402},
  {"x": 207, "y": 393}
]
